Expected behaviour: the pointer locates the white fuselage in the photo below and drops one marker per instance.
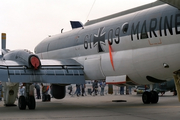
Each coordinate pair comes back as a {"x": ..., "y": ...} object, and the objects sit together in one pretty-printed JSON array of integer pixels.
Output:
[{"x": 136, "y": 44}]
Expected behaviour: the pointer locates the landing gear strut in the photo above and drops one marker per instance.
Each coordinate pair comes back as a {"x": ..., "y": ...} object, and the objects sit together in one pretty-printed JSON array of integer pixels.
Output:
[
  {"x": 150, "y": 97},
  {"x": 27, "y": 100},
  {"x": 177, "y": 83}
]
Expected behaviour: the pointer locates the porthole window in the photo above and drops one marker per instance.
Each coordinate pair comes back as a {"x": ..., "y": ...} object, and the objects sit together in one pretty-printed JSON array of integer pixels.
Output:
[{"x": 125, "y": 27}]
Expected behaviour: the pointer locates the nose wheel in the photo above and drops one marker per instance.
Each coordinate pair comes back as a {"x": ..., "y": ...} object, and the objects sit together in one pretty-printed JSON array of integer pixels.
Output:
[{"x": 150, "y": 97}]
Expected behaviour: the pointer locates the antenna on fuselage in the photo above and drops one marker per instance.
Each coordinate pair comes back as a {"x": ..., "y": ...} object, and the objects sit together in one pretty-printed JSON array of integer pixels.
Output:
[
  {"x": 62, "y": 30},
  {"x": 90, "y": 10}
]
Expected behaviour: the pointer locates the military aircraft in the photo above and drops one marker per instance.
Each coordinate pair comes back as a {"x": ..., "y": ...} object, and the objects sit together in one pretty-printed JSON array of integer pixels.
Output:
[
  {"x": 158, "y": 87},
  {"x": 139, "y": 46},
  {"x": 165, "y": 86}
]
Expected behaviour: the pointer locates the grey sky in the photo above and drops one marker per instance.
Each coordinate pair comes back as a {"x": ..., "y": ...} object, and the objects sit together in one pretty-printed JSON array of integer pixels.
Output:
[{"x": 27, "y": 22}]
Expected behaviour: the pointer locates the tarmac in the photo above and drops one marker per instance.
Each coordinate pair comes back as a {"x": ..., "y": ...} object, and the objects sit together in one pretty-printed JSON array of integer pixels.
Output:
[{"x": 97, "y": 108}]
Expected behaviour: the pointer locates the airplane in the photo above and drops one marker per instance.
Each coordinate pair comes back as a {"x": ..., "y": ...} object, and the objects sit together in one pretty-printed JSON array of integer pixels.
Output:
[
  {"x": 158, "y": 87},
  {"x": 139, "y": 46},
  {"x": 165, "y": 86}
]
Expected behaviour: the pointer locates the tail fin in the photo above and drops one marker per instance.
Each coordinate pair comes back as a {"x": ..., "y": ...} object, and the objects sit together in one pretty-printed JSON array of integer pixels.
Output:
[
  {"x": 3, "y": 43},
  {"x": 76, "y": 24}
]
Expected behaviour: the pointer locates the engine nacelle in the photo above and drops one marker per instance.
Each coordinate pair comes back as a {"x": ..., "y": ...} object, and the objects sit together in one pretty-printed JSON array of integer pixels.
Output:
[
  {"x": 10, "y": 92},
  {"x": 23, "y": 57},
  {"x": 57, "y": 91}
]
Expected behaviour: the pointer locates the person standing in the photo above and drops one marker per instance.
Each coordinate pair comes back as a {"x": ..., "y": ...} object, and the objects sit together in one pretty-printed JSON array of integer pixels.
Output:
[
  {"x": 121, "y": 90},
  {"x": 102, "y": 85},
  {"x": 83, "y": 89},
  {"x": 78, "y": 90},
  {"x": 70, "y": 89},
  {"x": 0, "y": 91},
  {"x": 22, "y": 90},
  {"x": 95, "y": 87},
  {"x": 38, "y": 91}
]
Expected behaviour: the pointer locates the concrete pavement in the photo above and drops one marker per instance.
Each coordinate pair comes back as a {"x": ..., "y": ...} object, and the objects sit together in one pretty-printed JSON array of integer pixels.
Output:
[{"x": 97, "y": 108}]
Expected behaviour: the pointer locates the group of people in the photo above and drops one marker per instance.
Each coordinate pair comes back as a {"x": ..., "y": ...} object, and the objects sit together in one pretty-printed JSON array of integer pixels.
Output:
[
  {"x": 45, "y": 89},
  {"x": 127, "y": 91},
  {"x": 80, "y": 88},
  {"x": 95, "y": 87}
]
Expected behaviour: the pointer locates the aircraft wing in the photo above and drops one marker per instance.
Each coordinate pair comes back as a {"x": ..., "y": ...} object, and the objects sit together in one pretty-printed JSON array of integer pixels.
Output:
[
  {"x": 51, "y": 71},
  {"x": 175, "y": 3}
]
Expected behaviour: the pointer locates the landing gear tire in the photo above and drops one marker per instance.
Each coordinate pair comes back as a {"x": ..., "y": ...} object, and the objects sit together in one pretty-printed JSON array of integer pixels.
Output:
[
  {"x": 22, "y": 103},
  {"x": 146, "y": 97},
  {"x": 154, "y": 97},
  {"x": 31, "y": 103}
]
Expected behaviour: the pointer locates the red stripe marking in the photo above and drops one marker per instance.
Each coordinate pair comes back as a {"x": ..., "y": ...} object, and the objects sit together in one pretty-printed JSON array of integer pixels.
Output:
[{"x": 110, "y": 55}]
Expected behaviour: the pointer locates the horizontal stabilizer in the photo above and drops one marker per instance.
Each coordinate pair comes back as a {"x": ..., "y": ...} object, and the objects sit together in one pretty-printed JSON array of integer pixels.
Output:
[
  {"x": 76, "y": 24},
  {"x": 175, "y": 3}
]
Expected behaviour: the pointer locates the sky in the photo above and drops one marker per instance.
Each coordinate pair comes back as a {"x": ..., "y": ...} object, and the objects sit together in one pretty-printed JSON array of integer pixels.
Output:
[{"x": 28, "y": 22}]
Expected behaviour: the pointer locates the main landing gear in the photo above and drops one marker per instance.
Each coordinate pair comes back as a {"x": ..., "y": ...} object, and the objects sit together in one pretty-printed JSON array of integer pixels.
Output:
[
  {"x": 28, "y": 99},
  {"x": 150, "y": 97}
]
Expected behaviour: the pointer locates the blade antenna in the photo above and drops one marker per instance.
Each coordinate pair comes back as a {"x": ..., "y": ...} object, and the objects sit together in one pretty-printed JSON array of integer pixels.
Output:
[{"x": 90, "y": 10}]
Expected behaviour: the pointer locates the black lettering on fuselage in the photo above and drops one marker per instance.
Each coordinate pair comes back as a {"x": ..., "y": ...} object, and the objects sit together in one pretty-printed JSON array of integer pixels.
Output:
[
  {"x": 177, "y": 23},
  {"x": 160, "y": 27},
  {"x": 152, "y": 27},
  {"x": 144, "y": 34},
  {"x": 135, "y": 31},
  {"x": 156, "y": 25},
  {"x": 168, "y": 25},
  {"x": 117, "y": 35},
  {"x": 110, "y": 37}
]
